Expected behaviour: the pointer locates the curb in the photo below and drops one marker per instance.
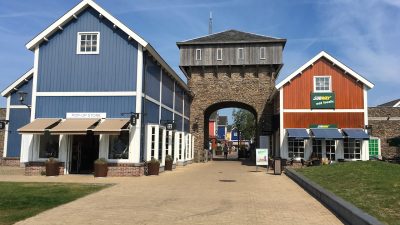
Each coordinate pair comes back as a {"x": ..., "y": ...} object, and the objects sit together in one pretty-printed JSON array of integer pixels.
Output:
[{"x": 343, "y": 209}]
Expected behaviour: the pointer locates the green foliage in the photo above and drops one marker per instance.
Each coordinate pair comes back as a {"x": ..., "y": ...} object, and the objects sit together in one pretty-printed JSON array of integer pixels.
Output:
[
  {"x": 245, "y": 121},
  {"x": 101, "y": 161},
  {"x": 19, "y": 201},
  {"x": 372, "y": 186},
  {"x": 168, "y": 158},
  {"x": 51, "y": 160},
  {"x": 153, "y": 160}
]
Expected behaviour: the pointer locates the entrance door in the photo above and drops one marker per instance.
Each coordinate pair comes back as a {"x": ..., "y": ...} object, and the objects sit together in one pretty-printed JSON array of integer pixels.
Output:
[{"x": 85, "y": 150}]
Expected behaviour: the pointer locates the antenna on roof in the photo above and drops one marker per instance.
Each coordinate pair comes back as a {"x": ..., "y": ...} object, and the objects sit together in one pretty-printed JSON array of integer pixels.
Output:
[{"x": 210, "y": 24}]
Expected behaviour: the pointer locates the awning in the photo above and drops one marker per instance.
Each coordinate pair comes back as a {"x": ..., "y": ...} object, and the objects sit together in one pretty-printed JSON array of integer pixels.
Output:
[
  {"x": 327, "y": 133},
  {"x": 74, "y": 126},
  {"x": 112, "y": 126},
  {"x": 38, "y": 126},
  {"x": 298, "y": 133},
  {"x": 355, "y": 133}
]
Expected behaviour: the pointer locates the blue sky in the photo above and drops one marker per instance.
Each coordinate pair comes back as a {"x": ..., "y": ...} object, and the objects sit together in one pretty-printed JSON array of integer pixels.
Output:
[{"x": 363, "y": 34}]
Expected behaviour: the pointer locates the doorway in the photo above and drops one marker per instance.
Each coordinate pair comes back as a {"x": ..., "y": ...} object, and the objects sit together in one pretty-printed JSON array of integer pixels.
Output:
[{"x": 85, "y": 150}]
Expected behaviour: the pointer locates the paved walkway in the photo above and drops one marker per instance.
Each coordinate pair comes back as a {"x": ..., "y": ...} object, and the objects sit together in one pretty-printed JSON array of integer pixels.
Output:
[{"x": 224, "y": 192}]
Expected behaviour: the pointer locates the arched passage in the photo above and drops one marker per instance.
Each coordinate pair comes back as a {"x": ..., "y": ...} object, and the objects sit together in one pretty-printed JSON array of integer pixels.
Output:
[{"x": 222, "y": 105}]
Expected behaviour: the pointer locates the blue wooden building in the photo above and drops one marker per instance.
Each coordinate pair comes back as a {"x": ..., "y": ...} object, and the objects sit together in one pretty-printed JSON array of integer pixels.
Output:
[{"x": 90, "y": 74}]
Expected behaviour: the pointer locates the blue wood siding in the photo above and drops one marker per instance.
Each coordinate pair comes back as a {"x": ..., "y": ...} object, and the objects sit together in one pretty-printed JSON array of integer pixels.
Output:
[
  {"x": 151, "y": 113},
  {"x": 221, "y": 132},
  {"x": 166, "y": 114},
  {"x": 18, "y": 119},
  {"x": 167, "y": 91},
  {"x": 57, "y": 107},
  {"x": 178, "y": 122},
  {"x": 187, "y": 106},
  {"x": 152, "y": 79},
  {"x": 26, "y": 87},
  {"x": 178, "y": 99},
  {"x": 186, "y": 126},
  {"x": 113, "y": 69}
]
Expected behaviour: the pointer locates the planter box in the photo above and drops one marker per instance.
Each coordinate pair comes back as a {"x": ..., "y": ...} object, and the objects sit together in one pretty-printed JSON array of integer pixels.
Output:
[
  {"x": 168, "y": 165},
  {"x": 153, "y": 168},
  {"x": 52, "y": 168},
  {"x": 100, "y": 170}
]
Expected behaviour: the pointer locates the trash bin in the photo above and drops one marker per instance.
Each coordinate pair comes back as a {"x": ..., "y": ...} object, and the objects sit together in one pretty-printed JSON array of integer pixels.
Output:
[{"x": 277, "y": 166}]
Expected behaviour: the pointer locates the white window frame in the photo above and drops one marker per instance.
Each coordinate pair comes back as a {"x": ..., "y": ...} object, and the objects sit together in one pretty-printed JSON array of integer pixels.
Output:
[
  {"x": 238, "y": 52},
  {"x": 219, "y": 50},
  {"x": 265, "y": 53},
  {"x": 198, "y": 54},
  {"x": 78, "y": 43},
  {"x": 353, "y": 148},
  {"x": 322, "y": 91}
]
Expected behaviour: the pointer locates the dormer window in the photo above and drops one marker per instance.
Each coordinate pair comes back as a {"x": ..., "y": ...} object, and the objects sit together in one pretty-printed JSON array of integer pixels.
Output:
[
  {"x": 88, "y": 43},
  {"x": 219, "y": 54},
  {"x": 198, "y": 54},
  {"x": 322, "y": 84},
  {"x": 240, "y": 53},
  {"x": 263, "y": 53}
]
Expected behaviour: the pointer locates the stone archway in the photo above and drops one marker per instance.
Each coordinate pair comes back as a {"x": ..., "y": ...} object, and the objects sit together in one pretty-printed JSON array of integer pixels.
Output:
[
  {"x": 222, "y": 105},
  {"x": 250, "y": 90}
]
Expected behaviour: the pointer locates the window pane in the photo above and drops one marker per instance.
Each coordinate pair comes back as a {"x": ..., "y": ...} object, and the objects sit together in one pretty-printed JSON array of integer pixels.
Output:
[
  {"x": 94, "y": 37},
  {"x": 49, "y": 146},
  {"x": 94, "y": 49},
  {"x": 83, "y": 37},
  {"x": 119, "y": 146},
  {"x": 89, "y": 37}
]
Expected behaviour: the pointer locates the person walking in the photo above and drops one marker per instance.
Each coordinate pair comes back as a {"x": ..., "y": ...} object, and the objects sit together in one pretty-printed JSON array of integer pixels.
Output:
[{"x": 225, "y": 151}]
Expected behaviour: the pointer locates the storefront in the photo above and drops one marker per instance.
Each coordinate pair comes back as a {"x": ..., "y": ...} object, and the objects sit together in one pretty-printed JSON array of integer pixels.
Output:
[
  {"x": 323, "y": 112},
  {"x": 77, "y": 103}
]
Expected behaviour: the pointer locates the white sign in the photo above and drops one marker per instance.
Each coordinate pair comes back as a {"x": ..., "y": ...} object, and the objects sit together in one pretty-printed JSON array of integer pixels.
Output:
[
  {"x": 86, "y": 115},
  {"x": 262, "y": 156}
]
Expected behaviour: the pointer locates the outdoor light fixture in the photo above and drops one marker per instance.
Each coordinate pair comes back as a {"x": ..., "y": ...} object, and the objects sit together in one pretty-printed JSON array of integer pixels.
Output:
[
  {"x": 22, "y": 96},
  {"x": 3, "y": 124},
  {"x": 133, "y": 119},
  {"x": 196, "y": 124},
  {"x": 169, "y": 124},
  {"x": 369, "y": 129}
]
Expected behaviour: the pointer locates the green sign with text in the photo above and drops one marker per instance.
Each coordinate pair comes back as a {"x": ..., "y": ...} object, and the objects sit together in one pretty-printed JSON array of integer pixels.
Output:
[{"x": 322, "y": 100}]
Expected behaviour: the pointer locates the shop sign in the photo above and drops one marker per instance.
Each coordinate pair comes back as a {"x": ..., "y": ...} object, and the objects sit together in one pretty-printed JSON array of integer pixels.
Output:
[
  {"x": 323, "y": 126},
  {"x": 86, "y": 115},
  {"x": 322, "y": 100},
  {"x": 261, "y": 156}
]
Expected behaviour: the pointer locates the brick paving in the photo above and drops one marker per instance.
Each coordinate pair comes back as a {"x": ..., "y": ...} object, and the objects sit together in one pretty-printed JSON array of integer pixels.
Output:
[{"x": 224, "y": 192}]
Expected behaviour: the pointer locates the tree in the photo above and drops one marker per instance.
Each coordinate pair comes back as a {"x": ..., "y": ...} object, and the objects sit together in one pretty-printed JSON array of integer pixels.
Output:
[{"x": 245, "y": 122}]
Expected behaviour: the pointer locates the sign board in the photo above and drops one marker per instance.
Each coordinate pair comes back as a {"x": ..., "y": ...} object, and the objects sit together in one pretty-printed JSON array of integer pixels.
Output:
[
  {"x": 322, "y": 100},
  {"x": 262, "y": 156},
  {"x": 323, "y": 126},
  {"x": 78, "y": 115}
]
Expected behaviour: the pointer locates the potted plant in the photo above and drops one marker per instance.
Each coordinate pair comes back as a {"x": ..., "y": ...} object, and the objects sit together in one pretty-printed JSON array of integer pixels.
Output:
[
  {"x": 52, "y": 167},
  {"x": 153, "y": 167},
  {"x": 100, "y": 167},
  {"x": 168, "y": 162}
]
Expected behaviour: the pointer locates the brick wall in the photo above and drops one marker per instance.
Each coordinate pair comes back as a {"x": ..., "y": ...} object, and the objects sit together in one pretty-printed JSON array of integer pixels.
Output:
[
  {"x": 385, "y": 129},
  {"x": 39, "y": 169},
  {"x": 2, "y": 116},
  {"x": 9, "y": 161},
  {"x": 125, "y": 170}
]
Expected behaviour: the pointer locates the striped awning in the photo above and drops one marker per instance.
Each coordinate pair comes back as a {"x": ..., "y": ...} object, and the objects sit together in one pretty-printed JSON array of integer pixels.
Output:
[
  {"x": 39, "y": 126},
  {"x": 326, "y": 133},
  {"x": 355, "y": 133},
  {"x": 297, "y": 133}
]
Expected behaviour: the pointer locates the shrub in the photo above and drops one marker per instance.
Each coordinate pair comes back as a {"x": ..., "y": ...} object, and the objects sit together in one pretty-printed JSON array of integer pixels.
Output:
[
  {"x": 168, "y": 158},
  {"x": 100, "y": 161}
]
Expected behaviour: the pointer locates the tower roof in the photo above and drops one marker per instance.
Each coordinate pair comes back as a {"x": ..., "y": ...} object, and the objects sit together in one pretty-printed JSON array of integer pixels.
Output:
[{"x": 231, "y": 37}]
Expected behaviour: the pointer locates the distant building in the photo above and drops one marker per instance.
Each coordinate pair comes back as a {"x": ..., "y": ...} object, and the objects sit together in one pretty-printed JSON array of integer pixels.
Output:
[
  {"x": 222, "y": 127},
  {"x": 385, "y": 129}
]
